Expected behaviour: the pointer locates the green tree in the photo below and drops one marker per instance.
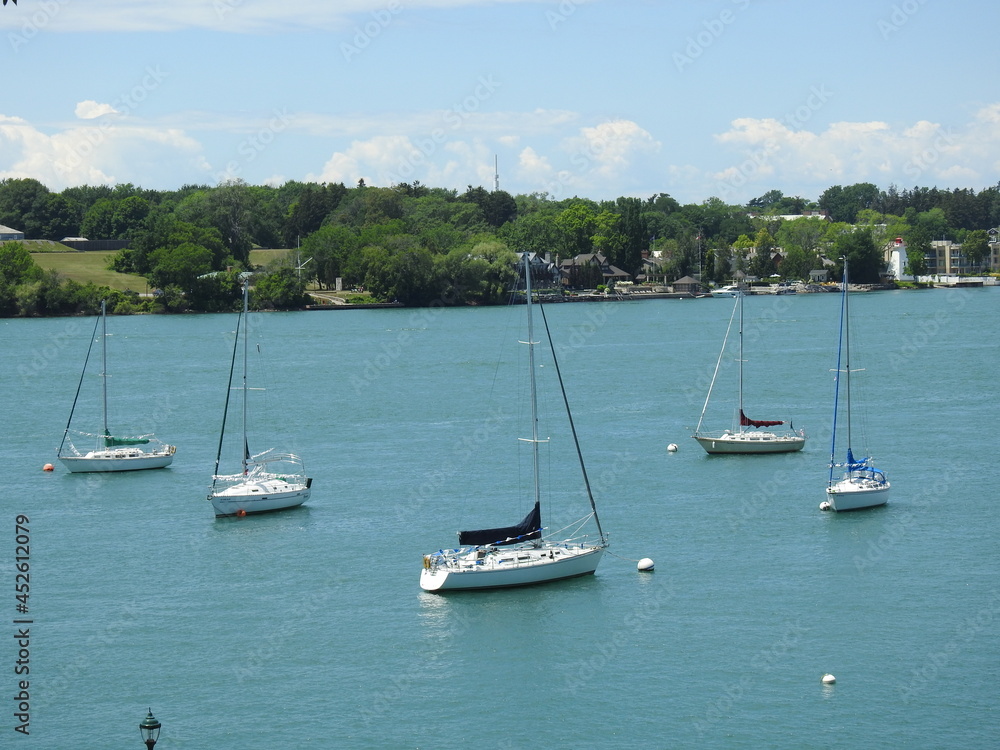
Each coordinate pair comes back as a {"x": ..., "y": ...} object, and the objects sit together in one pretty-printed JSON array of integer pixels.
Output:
[
  {"x": 179, "y": 265},
  {"x": 98, "y": 222},
  {"x": 577, "y": 225},
  {"x": 331, "y": 248},
  {"x": 844, "y": 203},
  {"x": 535, "y": 232},
  {"x": 281, "y": 290},
  {"x": 128, "y": 216},
  {"x": 16, "y": 264},
  {"x": 864, "y": 256},
  {"x": 976, "y": 247},
  {"x": 62, "y": 219},
  {"x": 634, "y": 228},
  {"x": 24, "y": 206},
  {"x": 762, "y": 262},
  {"x": 918, "y": 247}
]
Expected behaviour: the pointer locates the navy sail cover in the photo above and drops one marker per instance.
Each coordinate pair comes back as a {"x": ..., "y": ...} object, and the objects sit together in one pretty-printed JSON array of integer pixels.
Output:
[{"x": 529, "y": 528}]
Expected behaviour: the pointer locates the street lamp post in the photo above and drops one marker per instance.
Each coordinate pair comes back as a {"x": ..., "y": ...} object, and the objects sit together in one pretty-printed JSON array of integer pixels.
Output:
[{"x": 150, "y": 730}]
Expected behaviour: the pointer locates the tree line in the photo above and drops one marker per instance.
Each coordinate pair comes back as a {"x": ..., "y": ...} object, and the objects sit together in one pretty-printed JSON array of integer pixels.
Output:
[{"x": 420, "y": 245}]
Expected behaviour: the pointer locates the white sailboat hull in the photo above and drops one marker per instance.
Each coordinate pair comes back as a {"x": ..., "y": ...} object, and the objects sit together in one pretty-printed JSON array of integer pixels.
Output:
[
  {"x": 506, "y": 567},
  {"x": 118, "y": 459},
  {"x": 750, "y": 442},
  {"x": 268, "y": 481},
  {"x": 855, "y": 493},
  {"x": 117, "y": 454},
  {"x": 260, "y": 496}
]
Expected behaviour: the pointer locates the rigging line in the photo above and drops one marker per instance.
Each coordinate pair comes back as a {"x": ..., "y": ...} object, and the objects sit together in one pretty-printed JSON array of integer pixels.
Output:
[
  {"x": 626, "y": 559},
  {"x": 838, "y": 371},
  {"x": 229, "y": 390},
  {"x": 572, "y": 426},
  {"x": 718, "y": 362},
  {"x": 79, "y": 386},
  {"x": 503, "y": 339}
]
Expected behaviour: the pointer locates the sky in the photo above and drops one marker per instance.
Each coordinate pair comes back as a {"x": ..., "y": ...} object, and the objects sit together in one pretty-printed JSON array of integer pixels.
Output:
[{"x": 589, "y": 98}]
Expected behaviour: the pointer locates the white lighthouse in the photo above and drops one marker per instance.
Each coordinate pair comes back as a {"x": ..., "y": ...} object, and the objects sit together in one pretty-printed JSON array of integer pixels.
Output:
[{"x": 897, "y": 261}]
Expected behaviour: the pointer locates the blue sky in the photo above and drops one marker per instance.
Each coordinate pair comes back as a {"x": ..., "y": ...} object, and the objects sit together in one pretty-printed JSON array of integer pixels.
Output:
[{"x": 726, "y": 98}]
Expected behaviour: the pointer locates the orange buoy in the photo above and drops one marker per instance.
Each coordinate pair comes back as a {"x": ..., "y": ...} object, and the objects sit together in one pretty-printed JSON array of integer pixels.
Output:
[
  {"x": 241, "y": 513},
  {"x": 48, "y": 467}
]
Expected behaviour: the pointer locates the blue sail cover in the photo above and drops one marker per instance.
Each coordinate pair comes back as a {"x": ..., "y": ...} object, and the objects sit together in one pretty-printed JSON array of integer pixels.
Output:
[
  {"x": 864, "y": 464},
  {"x": 529, "y": 528}
]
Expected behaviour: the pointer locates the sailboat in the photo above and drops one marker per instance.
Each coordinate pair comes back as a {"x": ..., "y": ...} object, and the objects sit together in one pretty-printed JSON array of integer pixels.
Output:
[
  {"x": 745, "y": 435},
  {"x": 861, "y": 485},
  {"x": 111, "y": 452},
  {"x": 521, "y": 555},
  {"x": 267, "y": 481}
]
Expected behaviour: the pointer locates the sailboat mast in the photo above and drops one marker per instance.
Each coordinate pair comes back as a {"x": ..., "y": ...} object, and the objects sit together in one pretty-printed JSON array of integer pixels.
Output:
[
  {"x": 838, "y": 371},
  {"x": 229, "y": 393},
  {"x": 740, "y": 292},
  {"x": 246, "y": 298},
  {"x": 531, "y": 370},
  {"x": 847, "y": 352},
  {"x": 79, "y": 385},
  {"x": 104, "y": 364}
]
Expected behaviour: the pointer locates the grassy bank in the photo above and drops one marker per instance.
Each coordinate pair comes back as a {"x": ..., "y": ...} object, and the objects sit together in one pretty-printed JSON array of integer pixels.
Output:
[
  {"x": 92, "y": 267},
  {"x": 89, "y": 267}
]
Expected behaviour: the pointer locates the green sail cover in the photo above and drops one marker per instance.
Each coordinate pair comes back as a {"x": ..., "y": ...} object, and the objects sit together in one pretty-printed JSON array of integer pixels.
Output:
[{"x": 111, "y": 442}]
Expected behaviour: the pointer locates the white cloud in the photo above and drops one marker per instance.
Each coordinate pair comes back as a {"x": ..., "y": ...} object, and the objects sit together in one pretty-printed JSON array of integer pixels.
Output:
[
  {"x": 232, "y": 16},
  {"x": 766, "y": 154},
  {"x": 92, "y": 154},
  {"x": 89, "y": 109}
]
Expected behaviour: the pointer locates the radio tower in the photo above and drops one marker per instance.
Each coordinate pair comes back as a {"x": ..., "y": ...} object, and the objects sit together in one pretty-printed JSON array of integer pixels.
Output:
[{"x": 496, "y": 174}]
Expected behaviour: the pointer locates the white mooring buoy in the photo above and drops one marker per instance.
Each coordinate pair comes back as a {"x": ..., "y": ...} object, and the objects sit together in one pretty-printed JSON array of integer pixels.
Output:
[
  {"x": 672, "y": 447},
  {"x": 829, "y": 679},
  {"x": 645, "y": 565},
  {"x": 825, "y": 505}
]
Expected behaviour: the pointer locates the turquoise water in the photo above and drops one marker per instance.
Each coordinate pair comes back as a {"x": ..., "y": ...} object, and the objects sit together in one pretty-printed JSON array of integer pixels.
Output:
[{"x": 308, "y": 628}]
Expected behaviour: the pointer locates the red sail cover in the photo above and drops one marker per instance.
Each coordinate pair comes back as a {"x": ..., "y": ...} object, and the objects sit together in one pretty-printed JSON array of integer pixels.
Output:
[{"x": 745, "y": 421}]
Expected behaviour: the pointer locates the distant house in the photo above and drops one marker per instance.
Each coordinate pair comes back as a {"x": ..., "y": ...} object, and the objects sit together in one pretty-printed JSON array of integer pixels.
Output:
[
  {"x": 7, "y": 234},
  {"x": 576, "y": 271},
  {"x": 82, "y": 244},
  {"x": 819, "y": 275},
  {"x": 820, "y": 213},
  {"x": 687, "y": 284},
  {"x": 543, "y": 270}
]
